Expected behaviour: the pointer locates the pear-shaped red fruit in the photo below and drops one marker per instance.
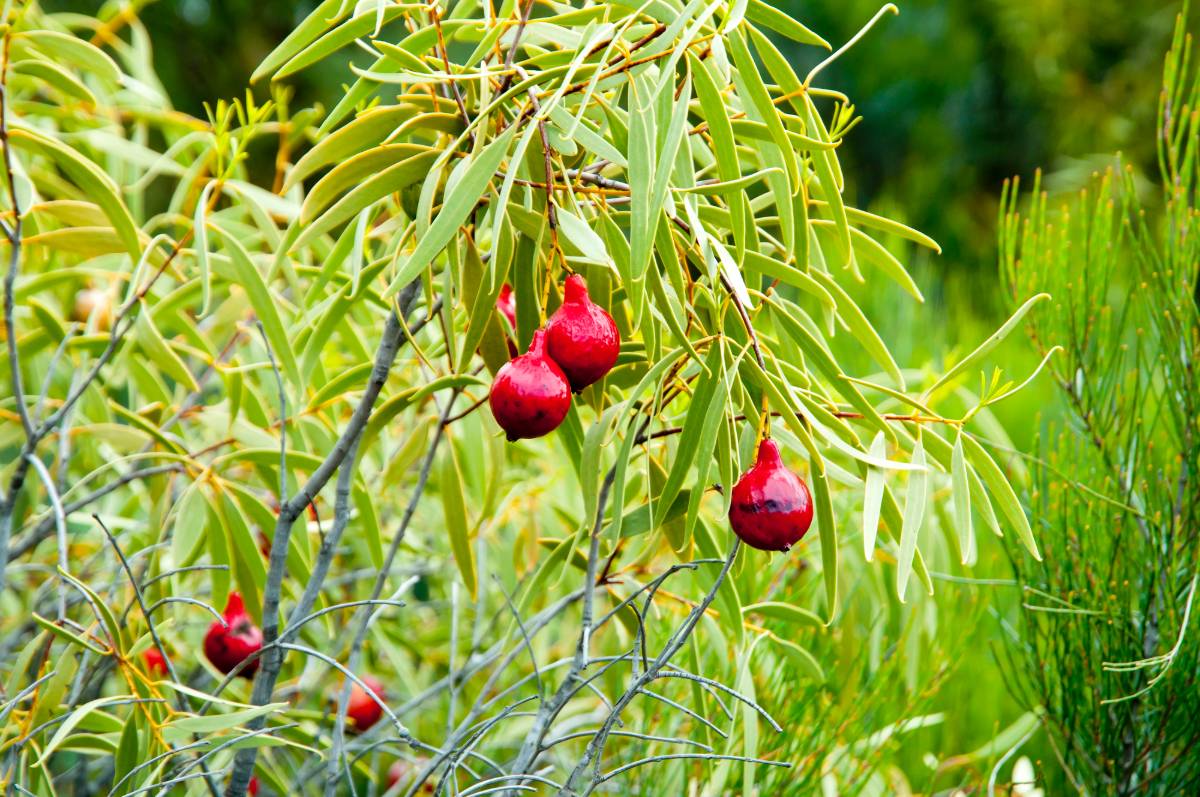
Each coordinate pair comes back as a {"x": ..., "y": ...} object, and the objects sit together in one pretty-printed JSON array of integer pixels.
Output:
[
  {"x": 581, "y": 337},
  {"x": 530, "y": 395},
  {"x": 506, "y": 304},
  {"x": 771, "y": 508},
  {"x": 156, "y": 663},
  {"x": 228, "y": 645},
  {"x": 252, "y": 786},
  {"x": 362, "y": 709}
]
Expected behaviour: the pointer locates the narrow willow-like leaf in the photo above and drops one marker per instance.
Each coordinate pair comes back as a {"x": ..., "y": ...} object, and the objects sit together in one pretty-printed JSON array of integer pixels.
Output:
[
  {"x": 784, "y": 612},
  {"x": 200, "y": 240},
  {"x": 693, "y": 429},
  {"x": 88, "y": 177},
  {"x": 914, "y": 515},
  {"x": 802, "y": 659},
  {"x": 459, "y": 203},
  {"x": 320, "y": 19},
  {"x": 161, "y": 354},
  {"x": 454, "y": 508},
  {"x": 767, "y": 15},
  {"x": 993, "y": 340},
  {"x": 247, "y": 275},
  {"x": 1001, "y": 491},
  {"x": 961, "y": 496},
  {"x": 873, "y": 497},
  {"x": 829, "y": 540},
  {"x": 189, "y": 524}
]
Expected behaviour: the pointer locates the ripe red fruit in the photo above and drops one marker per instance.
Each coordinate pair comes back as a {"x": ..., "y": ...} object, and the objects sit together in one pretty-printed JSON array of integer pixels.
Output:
[
  {"x": 530, "y": 395},
  {"x": 771, "y": 508},
  {"x": 252, "y": 787},
  {"x": 155, "y": 663},
  {"x": 362, "y": 709},
  {"x": 227, "y": 646},
  {"x": 581, "y": 337},
  {"x": 506, "y": 304}
]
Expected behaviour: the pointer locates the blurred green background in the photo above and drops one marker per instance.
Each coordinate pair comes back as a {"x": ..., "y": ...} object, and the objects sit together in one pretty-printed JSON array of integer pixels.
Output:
[{"x": 957, "y": 96}]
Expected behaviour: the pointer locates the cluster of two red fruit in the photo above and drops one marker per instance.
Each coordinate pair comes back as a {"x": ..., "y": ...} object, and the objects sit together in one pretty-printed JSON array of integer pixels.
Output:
[{"x": 531, "y": 393}]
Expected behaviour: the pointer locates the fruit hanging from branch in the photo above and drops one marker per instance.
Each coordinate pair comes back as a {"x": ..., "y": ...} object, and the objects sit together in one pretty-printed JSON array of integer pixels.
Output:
[
  {"x": 530, "y": 395},
  {"x": 230, "y": 643},
  {"x": 582, "y": 337},
  {"x": 771, "y": 508},
  {"x": 506, "y": 305},
  {"x": 362, "y": 709}
]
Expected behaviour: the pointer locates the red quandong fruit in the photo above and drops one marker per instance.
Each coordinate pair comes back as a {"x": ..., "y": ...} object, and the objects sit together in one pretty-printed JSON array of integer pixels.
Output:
[
  {"x": 581, "y": 337},
  {"x": 227, "y": 646},
  {"x": 530, "y": 395},
  {"x": 252, "y": 786},
  {"x": 361, "y": 709},
  {"x": 771, "y": 508},
  {"x": 403, "y": 770},
  {"x": 156, "y": 664},
  {"x": 506, "y": 303}
]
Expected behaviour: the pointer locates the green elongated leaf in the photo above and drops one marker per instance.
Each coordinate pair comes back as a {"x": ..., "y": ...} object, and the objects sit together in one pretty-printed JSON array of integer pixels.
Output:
[
  {"x": 1001, "y": 491},
  {"x": 873, "y": 497},
  {"x": 961, "y": 491},
  {"x": 63, "y": 47},
  {"x": 716, "y": 116},
  {"x": 68, "y": 635},
  {"x": 190, "y": 519},
  {"x": 873, "y": 252},
  {"x": 775, "y": 269},
  {"x": 89, "y": 178},
  {"x": 893, "y": 227},
  {"x": 785, "y": 612},
  {"x": 368, "y": 177},
  {"x": 322, "y": 18},
  {"x": 638, "y": 521},
  {"x": 721, "y": 187},
  {"x": 454, "y": 508},
  {"x": 369, "y": 129},
  {"x": 106, "y": 616},
  {"x": 163, "y": 356},
  {"x": 333, "y": 40},
  {"x": 914, "y": 515},
  {"x": 643, "y": 212},
  {"x": 249, "y": 569},
  {"x": 829, "y": 542},
  {"x": 583, "y": 237},
  {"x": 693, "y": 430},
  {"x": 993, "y": 340},
  {"x": 767, "y": 15},
  {"x": 344, "y": 382},
  {"x": 247, "y": 275},
  {"x": 804, "y": 661},
  {"x": 825, "y": 165},
  {"x": 861, "y": 328},
  {"x": 460, "y": 201},
  {"x": 71, "y": 722},
  {"x": 212, "y": 723},
  {"x": 57, "y": 77},
  {"x": 200, "y": 240},
  {"x": 820, "y": 357},
  {"x": 747, "y": 71}
]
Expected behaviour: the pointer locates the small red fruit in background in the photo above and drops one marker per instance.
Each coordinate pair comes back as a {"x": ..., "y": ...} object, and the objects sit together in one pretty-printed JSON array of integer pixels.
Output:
[
  {"x": 155, "y": 662},
  {"x": 252, "y": 787},
  {"x": 771, "y": 508},
  {"x": 506, "y": 304},
  {"x": 362, "y": 708},
  {"x": 401, "y": 770},
  {"x": 581, "y": 337},
  {"x": 530, "y": 395},
  {"x": 227, "y": 646}
]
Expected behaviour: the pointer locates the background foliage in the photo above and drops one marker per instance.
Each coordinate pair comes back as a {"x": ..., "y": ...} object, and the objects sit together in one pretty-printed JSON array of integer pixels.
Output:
[{"x": 955, "y": 96}]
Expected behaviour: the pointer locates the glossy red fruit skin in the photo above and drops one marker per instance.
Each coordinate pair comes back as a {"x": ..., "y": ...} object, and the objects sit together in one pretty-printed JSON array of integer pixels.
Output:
[
  {"x": 361, "y": 709},
  {"x": 530, "y": 395},
  {"x": 156, "y": 664},
  {"x": 506, "y": 304},
  {"x": 771, "y": 508},
  {"x": 252, "y": 787},
  {"x": 581, "y": 337},
  {"x": 228, "y": 646}
]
